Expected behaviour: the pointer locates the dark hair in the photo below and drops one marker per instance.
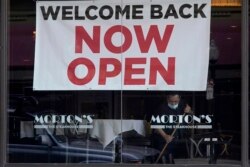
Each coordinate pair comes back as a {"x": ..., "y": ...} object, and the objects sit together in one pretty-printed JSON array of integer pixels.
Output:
[{"x": 172, "y": 93}]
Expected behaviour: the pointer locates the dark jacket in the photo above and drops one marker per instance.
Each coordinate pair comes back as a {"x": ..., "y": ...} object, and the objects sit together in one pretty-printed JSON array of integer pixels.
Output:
[{"x": 165, "y": 110}]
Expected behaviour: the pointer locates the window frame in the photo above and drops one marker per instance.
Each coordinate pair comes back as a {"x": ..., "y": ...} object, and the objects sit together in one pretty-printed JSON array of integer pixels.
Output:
[{"x": 4, "y": 92}]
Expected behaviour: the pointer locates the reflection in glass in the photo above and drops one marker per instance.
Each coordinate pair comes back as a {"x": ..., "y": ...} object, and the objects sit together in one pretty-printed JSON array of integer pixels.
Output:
[{"x": 125, "y": 114}]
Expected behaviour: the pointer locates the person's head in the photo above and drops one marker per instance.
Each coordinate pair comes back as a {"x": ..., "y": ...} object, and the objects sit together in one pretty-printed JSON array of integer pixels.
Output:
[{"x": 173, "y": 99}]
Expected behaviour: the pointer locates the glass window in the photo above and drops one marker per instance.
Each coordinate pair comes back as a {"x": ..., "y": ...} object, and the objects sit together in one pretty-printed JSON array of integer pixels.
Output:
[
  {"x": 221, "y": 102},
  {"x": 124, "y": 126}
]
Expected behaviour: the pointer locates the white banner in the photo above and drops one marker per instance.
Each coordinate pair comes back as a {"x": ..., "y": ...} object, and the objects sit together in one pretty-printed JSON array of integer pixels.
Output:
[{"x": 122, "y": 45}]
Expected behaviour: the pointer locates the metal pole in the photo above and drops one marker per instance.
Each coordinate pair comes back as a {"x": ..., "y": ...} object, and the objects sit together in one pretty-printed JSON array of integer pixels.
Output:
[
  {"x": 244, "y": 84},
  {"x": 192, "y": 130},
  {"x": 3, "y": 83}
]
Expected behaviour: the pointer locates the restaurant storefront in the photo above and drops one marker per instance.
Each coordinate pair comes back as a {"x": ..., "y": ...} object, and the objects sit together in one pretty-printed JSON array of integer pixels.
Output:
[{"x": 124, "y": 82}]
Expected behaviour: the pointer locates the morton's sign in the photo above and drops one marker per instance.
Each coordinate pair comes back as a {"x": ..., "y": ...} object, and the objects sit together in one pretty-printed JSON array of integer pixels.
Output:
[{"x": 133, "y": 45}]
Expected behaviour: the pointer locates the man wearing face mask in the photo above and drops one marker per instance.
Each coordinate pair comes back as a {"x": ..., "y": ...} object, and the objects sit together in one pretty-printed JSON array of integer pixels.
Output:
[{"x": 173, "y": 106}]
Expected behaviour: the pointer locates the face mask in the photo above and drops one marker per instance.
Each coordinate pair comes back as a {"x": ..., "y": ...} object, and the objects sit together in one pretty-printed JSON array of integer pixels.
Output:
[{"x": 173, "y": 106}]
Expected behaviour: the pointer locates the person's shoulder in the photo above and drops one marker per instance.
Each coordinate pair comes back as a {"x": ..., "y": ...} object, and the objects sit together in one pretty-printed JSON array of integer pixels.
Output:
[
  {"x": 182, "y": 103},
  {"x": 162, "y": 108}
]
